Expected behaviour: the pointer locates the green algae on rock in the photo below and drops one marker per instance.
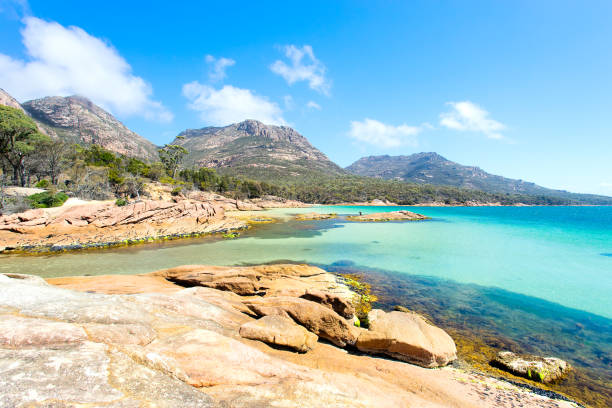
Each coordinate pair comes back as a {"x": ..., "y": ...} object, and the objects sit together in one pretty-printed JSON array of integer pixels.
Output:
[{"x": 541, "y": 369}]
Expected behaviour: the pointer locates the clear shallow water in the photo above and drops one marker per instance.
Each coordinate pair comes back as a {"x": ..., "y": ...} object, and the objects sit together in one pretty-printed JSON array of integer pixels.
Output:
[
  {"x": 529, "y": 279},
  {"x": 559, "y": 254}
]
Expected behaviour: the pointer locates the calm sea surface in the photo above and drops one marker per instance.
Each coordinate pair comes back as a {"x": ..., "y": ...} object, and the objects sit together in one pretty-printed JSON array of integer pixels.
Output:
[
  {"x": 540, "y": 277},
  {"x": 559, "y": 254}
]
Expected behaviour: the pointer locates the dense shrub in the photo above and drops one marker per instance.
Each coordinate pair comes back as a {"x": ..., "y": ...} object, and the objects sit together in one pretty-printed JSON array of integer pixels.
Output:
[
  {"x": 120, "y": 202},
  {"x": 47, "y": 199},
  {"x": 42, "y": 184}
]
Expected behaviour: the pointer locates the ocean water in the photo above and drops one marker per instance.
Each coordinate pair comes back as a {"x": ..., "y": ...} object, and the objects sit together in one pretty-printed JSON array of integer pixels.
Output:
[
  {"x": 534, "y": 279},
  {"x": 559, "y": 254}
]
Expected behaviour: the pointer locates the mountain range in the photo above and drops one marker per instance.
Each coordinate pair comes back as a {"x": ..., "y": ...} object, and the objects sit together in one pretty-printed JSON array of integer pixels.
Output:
[
  {"x": 265, "y": 152},
  {"x": 431, "y": 168}
]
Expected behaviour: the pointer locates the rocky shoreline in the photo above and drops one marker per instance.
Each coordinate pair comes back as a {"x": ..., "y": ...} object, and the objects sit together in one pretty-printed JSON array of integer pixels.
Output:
[
  {"x": 103, "y": 224},
  {"x": 208, "y": 336}
]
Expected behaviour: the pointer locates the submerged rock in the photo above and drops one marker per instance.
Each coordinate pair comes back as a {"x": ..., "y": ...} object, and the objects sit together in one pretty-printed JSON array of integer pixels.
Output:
[
  {"x": 281, "y": 331},
  {"x": 407, "y": 337},
  {"x": 541, "y": 369}
]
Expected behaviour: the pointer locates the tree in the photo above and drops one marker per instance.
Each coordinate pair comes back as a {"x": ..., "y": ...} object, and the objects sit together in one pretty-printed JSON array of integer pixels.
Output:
[
  {"x": 172, "y": 156},
  {"x": 50, "y": 159},
  {"x": 18, "y": 138}
]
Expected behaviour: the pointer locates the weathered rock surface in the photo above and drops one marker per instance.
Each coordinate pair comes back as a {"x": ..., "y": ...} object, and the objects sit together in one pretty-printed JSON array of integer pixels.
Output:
[
  {"x": 176, "y": 347},
  {"x": 104, "y": 222},
  {"x": 542, "y": 369},
  {"x": 319, "y": 319},
  {"x": 253, "y": 148},
  {"x": 401, "y": 215},
  {"x": 281, "y": 331},
  {"x": 314, "y": 216},
  {"x": 337, "y": 303},
  {"x": 269, "y": 280},
  {"x": 76, "y": 119},
  {"x": 407, "y": 337}
]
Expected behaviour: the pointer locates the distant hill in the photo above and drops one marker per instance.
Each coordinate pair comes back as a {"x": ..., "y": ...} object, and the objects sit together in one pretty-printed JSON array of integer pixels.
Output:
[
  {"x": 253, "y": 149},
  {"x": 8, "y": 100},
  {"x": 76, "y": 119},
  {"x": 431, "y": 168}
]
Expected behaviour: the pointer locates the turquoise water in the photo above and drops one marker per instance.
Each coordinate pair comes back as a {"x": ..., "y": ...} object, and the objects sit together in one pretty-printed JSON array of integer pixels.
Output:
[
  {"x": 529, "y": 279},
  {"x": 559, "y": 254}
]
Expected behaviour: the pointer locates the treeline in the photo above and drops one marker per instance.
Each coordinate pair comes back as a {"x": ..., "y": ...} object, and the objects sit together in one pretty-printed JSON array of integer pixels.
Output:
[{"x": 28, "y": 158}]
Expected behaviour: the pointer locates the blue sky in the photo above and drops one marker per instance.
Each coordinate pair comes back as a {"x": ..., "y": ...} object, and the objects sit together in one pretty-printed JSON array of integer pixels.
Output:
[{"x": 520, "y": 88}]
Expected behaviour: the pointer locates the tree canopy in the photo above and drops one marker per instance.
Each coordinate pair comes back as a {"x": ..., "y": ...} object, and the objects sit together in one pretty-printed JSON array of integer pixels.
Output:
[{"x": 19, "y": 136}]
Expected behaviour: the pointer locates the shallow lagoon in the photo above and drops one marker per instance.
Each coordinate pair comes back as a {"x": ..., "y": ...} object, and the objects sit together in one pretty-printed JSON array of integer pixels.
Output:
[{"x": 531, "y": 278}]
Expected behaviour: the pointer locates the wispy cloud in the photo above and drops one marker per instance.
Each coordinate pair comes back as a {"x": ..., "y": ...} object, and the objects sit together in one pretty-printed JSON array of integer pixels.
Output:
[
  {"x": 230, "y": 105},
  {"x": 376, "y": 133},
  {"x": 67, "y": 60},
  {"x": 15, "y": 9},
  {"x": 217, "y": 67},
  {"x": 313, "y": 105},
  {"x": 303, "y": 66},
  {"x": 467, "y": 116},
  {"x": 289, "y": 102}
]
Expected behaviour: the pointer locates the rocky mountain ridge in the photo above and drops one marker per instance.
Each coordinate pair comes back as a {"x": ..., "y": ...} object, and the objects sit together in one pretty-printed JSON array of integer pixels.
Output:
[
  {"x": 254, "y": 149},
  {"x": 432, "y": 168},
  {"x": 78, "y": 120}
]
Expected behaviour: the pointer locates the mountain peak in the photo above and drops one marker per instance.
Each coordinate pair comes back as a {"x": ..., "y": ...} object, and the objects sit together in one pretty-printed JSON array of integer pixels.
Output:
[
  {"x": 255, "y": 149},
  {"x": 76, "y": 119}
]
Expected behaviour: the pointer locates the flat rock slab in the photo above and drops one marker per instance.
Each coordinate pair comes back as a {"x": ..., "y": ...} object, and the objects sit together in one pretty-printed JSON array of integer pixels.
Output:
[
  {"x": 401, "y": 215},
  {"x": 541, "y": 369},
  {"x": 280, "y": 331},
  {"x": 407, "y": 337},
  {"x": 314, "y": 216}
]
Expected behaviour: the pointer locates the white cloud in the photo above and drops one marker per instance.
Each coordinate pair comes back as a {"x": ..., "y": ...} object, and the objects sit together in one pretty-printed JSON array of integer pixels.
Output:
[
  {"x": 313, "y": 105},
  {"x": 230, "y": 105},
  {"x": 467, "y": 116},
  {"x": 304, "y": 66},
  {"x": 66, "y": 60},
  {"x": 380, "y": 134},
  {"x": 606, "y": 184},
  {"x": 218, "y": 67}
]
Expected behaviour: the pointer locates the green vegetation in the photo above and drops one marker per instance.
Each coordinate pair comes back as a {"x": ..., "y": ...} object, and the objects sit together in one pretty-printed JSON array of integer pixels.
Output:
[
  {"x": 47, "y": 199},
  {"x": 92, "y": 172},
  {"x": 120, "y": 202},
  {"x": 172, "y": 156},
  {"x": 362, "y": 299},
  {"x": 19, "y": 139},
  {"x": 231, "y": 235},
  {"x": 44, "y": 183}
]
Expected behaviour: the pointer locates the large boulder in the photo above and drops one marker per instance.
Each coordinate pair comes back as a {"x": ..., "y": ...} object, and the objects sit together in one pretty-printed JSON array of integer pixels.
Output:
[
  {"x": 407, "y": 337},
  {"x": 317, "y": 318},
  {"x": 337, "y": 303},
  {"x": 541, "y": 369},
  {"x": 280, "y": 331}
]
